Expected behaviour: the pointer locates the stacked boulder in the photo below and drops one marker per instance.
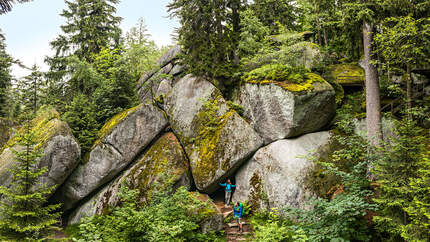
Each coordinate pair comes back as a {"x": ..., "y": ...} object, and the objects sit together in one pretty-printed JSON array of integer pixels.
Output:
[
  {"x": 61, "y": 151},
  {"x": 186, "y": 134}
]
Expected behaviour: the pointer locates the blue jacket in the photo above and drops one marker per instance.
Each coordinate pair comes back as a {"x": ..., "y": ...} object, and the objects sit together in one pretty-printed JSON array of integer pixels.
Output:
[
  {"x": 237, "y": 211},
  {"x": 227, "y": 186}
]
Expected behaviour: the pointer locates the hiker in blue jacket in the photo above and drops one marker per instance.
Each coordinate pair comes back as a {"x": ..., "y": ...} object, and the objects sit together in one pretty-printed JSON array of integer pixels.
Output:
[
  {"x": 228, "y": 186},
  {"x": 237, "y": 214}
]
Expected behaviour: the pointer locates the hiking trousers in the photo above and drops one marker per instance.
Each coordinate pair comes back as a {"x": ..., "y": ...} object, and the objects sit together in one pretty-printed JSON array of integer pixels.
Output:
[{"x": 227, "y": 197}]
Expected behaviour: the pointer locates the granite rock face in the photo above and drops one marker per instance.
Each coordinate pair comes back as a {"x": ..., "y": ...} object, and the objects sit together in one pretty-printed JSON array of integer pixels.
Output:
[
  {"x": 275, "y": 176},
  {"x": 216, "y": 139},
  {"x": 60, "y": 150},
  {"x": 163, "y": 165},
  {"x": 122, "y": 138},
  {"x": 277, "y": 113}
]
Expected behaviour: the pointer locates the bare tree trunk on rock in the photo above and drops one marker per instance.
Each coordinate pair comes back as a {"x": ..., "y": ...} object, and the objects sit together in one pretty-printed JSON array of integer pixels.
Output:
[{"x": 373, "y": 103}]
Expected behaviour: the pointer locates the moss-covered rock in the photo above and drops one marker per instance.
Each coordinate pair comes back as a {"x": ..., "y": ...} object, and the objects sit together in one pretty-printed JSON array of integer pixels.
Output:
[
  {"x": 278, "y": 110},
  {"x": 347, "y": 74},
  {"x": 216, "y": 139},
  {"x": 121, "y": 139},
  {"x": 275, "y": 176},
  {"x": 162, "y": 166},
  {"x": 61, "y": 151}
]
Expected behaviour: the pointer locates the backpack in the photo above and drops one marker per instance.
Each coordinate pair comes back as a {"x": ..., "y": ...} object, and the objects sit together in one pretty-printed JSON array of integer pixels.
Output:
[{"x": 242, "y": 208}]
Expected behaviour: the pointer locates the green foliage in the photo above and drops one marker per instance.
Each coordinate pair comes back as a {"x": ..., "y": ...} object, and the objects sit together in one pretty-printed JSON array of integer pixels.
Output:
[
  {"x": 404, "y": 40},
  {"x": 168, "y": 217},
  {"x": 24, "y": 215},
  {"x": 270, "y": 226},
  {"x": 209, "y": 35},
  {"x": 272, "y": 12},
  {"x": 116, "y": 89},
  {"x": 277, "y": 72},
  {"x": 81, "y": 117},
  {"x": 30, "y": 90},
  {"x": 352, "y": 108},
  {"x": 253, "y": 35},
  {"x": 400, "y": 163},
  {"x": 287, "y": 48},
  {"x": 5, "y": 76}
]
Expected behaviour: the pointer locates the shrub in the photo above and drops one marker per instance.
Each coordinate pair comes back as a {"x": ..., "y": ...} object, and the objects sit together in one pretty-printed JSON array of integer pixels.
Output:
[{"x": 174, "y": 217}]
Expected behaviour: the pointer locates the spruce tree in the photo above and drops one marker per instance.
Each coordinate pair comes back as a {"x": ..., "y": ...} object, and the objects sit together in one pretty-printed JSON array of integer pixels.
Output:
[
  {"x": 209, "y": 34},
  {"x": 398, "y": 164},
  {"x": 5, "y": 76},
  {"x": 30, "y": 89},
  {"x": 90, "y": 27},
  {"x": 23, "y": 210}
]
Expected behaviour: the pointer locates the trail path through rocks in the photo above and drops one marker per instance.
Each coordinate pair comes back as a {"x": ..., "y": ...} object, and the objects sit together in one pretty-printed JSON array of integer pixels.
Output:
[{"x": 231, "y": 229}]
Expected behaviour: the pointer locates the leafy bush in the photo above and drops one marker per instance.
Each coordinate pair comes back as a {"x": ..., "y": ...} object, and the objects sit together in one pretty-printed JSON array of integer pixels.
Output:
[
  {"x": 174, "y": 217},
  {"x": 270, "y": 226},
  {"x": 277, "y": 72}
]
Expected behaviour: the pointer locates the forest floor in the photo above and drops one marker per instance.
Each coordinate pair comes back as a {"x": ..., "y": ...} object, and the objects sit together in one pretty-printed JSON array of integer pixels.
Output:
[{"x": 231, "y": 229}]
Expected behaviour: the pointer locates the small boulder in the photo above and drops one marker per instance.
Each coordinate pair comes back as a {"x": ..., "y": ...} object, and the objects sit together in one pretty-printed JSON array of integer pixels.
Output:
[
  {"x": 275, "y": 176},
  {"x": 61, "y": 151},
  {"x": 216, "y": 139},
  {"x": 163, "y": 165},
  {"x": 121, "y": 139},
  {"x": 280, "y": 110},
  {"x": 215, "y": 220}
]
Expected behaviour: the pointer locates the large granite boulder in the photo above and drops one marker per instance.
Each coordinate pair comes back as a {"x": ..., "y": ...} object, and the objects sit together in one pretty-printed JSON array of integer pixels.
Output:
[
  {"x": 278, "y": 110},
  {"x": 216, "y": 139},
  {"x": 163, "y": 165},
  {"x": 121, "y": 139},
  {"x": 60, "y": 150},
  {"x": 275, "y": 176}
]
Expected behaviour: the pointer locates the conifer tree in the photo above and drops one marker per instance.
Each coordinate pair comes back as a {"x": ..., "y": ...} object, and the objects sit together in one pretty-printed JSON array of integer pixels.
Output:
[
  {"x": 24, "y": 215},
  {"x": 90, "y": 27},
  {"x": 30, "y": 88},
  {"x": 5, "y": 76},
  {"x": 209, "y": 34},
  {"x": 398, "y": 164}
]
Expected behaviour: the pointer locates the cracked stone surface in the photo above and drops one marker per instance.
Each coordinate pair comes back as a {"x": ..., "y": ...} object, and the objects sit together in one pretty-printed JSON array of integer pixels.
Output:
[{"x": 112, "y": 153}]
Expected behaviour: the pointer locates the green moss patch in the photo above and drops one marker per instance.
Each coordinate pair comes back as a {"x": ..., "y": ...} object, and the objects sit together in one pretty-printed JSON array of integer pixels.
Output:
[
  {"x": 45, "y": 125},
  {"x": 113, "y": 122},
  {"x": 306, "y": 85},
  {"x": 164, "y": 163},
  {"x": 210, "y": 126},
  {"x": 347, "y": 74}
]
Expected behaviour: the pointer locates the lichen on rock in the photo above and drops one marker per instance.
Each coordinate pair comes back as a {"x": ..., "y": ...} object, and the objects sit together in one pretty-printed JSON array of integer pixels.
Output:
[
  {"x": 163, "y": 165},
  {"x": 54, "y": 137},
  {"x": 347, "y": 74},
  {"x": 122, "y": 138},
  {"x": 216, "y": 139}
]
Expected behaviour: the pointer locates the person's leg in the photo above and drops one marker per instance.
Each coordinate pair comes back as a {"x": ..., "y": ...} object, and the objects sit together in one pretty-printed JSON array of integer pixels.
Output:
[{"x": 227, "y": 198}]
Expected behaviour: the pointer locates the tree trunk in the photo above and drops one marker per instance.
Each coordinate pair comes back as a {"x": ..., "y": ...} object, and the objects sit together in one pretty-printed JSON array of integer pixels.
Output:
[
  {"x": 373, "y": 103},
  {"x": 325, "y": 37},
  {"x": 319, "y": 30},
  {"x": 408, "y": 87}
]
